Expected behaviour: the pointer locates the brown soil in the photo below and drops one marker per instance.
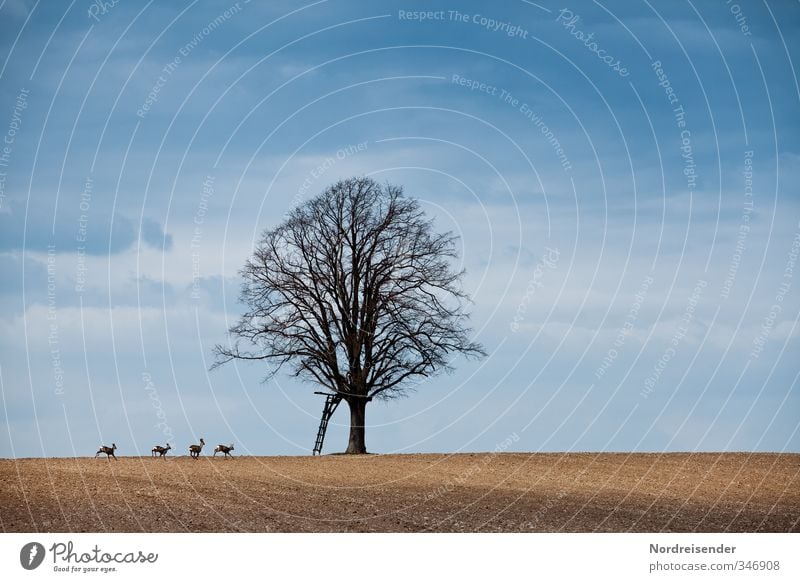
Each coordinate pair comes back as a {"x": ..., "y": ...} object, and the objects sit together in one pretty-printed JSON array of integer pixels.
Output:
[{"x": 406, "y": 493}]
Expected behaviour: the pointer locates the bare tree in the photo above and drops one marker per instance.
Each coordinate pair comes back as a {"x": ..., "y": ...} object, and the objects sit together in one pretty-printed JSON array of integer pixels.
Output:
[{"x": 354, "y": 291}]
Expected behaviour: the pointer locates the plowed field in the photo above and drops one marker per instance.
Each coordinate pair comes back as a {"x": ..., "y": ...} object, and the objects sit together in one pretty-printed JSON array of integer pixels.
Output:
[{"x": 506, "y": 492}]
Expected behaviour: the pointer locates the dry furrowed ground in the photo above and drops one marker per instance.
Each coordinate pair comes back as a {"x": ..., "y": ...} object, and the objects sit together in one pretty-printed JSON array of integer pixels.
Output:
[{"x": 466, "y": 492}]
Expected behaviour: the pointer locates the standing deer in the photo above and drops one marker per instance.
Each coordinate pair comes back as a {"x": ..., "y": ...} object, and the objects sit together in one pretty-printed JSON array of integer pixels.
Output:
[
  {"x": 224, "y": 449},
  {"x": 194, "y": 450},
  {"x": 109, "y": 451},
  {"x": 160, "y": 450}
]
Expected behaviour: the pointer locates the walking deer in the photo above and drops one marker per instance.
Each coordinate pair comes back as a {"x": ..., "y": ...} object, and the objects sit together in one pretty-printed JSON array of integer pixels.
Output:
[
  {"x": 224, "y": 449},
  {"x": 108, "y": 451},
  {"x": 159, "y": 450},
  {"x": 194, "y": 450}
]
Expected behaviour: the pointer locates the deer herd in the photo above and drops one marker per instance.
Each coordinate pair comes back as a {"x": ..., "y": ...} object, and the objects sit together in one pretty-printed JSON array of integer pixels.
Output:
[{"x": 159, "y": 451}]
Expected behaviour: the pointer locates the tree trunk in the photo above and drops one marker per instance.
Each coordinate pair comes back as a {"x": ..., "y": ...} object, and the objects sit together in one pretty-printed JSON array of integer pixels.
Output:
[{"x": 355, "y": 445}]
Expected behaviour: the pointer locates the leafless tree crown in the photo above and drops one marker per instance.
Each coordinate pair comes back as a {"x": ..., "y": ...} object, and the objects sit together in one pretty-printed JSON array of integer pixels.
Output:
[{"x": 354, "y": 291}]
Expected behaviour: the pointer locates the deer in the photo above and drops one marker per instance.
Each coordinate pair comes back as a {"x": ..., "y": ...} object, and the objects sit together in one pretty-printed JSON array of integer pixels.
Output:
[
  {"x": 108, "y": 451},
  {"x": 194, "y": 450},
  {"x": 224, "y": 449},
  {"x": 161, "y": 451}
]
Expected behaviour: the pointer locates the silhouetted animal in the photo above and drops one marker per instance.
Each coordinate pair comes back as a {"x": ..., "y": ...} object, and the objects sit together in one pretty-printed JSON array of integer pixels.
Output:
[
  {"x": 109, "y": 451},
  {"x": 224, "y": 449},
  {"x": 161, "y": 451},
  {"x": 194, "y": 450}
]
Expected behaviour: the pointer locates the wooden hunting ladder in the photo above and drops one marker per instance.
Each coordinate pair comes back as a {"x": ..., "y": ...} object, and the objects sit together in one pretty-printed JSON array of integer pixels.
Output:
[{"x": 331, "y": 402}]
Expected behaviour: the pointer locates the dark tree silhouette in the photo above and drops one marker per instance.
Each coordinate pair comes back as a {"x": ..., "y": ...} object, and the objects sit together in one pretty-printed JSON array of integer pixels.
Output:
[{"x": 354, "y": 291}]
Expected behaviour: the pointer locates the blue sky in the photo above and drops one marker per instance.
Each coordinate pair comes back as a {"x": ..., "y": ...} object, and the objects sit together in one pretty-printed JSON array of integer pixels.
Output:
[{"x": 623, "y": 179}]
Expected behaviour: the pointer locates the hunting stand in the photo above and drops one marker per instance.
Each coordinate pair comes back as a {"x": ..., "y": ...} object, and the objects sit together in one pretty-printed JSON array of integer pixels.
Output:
[{"x": 331, "y": 403}]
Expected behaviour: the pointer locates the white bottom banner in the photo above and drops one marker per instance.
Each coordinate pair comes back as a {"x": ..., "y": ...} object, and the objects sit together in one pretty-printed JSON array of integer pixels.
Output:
[{"x": 389, "y": 557}]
